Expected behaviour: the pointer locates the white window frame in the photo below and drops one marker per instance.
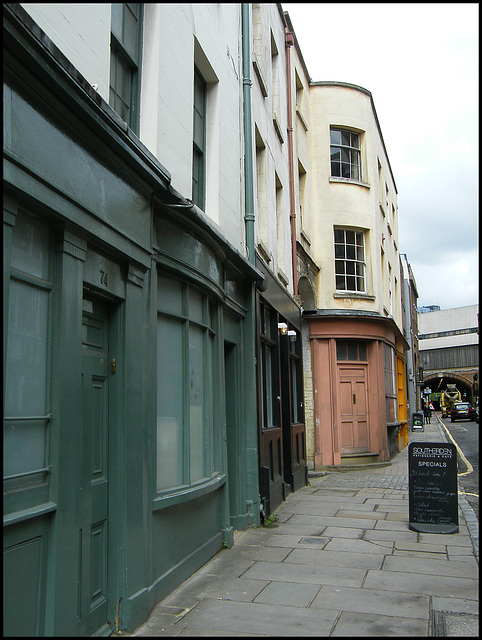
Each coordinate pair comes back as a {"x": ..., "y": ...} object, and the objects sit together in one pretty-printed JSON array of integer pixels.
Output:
[
  {"x": 349, "y": 153},
  {"x": 350, "y": 261}
]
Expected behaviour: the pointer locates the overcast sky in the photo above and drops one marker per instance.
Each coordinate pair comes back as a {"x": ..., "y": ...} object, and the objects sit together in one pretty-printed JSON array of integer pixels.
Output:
[{"x": 420, "y": 63}]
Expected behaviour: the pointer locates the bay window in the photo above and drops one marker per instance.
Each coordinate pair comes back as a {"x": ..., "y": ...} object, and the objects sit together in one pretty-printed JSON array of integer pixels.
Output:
[
  {"x": 27, "y": 402},
  {"x": 185, "y": 385}
]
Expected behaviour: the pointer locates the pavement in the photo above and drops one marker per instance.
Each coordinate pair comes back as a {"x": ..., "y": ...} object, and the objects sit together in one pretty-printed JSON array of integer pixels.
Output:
[{"x": 339, "y": 561}]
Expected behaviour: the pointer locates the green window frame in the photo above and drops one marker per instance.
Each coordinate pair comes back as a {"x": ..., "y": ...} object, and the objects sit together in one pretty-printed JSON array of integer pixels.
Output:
[
  {"x": 186, "y": 382},
  {"x": 27, "y": 410},
  {"x": 345, "y": 154},
  {"x": 125, "y": 62},
  {"x": 199, "y": 140},
  {"x": 350, "y": 265}
]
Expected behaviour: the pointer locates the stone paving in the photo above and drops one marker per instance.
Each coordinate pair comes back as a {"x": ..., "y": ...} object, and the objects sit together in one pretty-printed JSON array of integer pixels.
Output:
[{"x": 340, "y": 561}]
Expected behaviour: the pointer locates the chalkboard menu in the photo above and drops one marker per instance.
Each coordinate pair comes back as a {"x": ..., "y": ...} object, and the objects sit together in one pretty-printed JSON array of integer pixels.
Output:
[{"x": 432, "y": 487}]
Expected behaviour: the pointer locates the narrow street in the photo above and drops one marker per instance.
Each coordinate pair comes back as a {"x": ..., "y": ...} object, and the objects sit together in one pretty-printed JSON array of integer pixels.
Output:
[{"x": 465, "y": 435}]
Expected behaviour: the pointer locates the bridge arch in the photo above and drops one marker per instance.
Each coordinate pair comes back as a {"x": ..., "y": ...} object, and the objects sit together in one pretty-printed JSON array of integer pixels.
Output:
[{"x": 438, "y": 382}]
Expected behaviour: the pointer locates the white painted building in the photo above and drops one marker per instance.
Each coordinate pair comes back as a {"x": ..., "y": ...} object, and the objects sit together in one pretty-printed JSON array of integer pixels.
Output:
[
  {"x": 456, "y": 327},
  {"x": 174, "y": 40},
  {"x": 269, "y": 109}
]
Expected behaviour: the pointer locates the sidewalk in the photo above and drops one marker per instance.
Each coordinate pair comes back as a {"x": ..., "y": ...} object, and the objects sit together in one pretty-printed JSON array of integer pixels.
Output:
[{"x": 340, "y": 561}]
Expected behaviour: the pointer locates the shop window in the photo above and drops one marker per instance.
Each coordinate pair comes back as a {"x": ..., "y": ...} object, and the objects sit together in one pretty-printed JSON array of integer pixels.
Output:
[
  {"x": 185, "y": 385},
  {"x": 268, "y": 368},
  {"x": 296, "y": 380},
  {"x": 27, "y": 402},
  {"x": 390, "y": 383}
]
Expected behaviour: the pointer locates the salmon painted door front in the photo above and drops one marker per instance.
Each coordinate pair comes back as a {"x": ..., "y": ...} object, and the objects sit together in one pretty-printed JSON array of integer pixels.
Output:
[{"x": 353, "y": 408}]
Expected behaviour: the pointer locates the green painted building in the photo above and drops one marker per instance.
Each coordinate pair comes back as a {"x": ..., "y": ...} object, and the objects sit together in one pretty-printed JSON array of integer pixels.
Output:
[{"x": 130, "y": 433}]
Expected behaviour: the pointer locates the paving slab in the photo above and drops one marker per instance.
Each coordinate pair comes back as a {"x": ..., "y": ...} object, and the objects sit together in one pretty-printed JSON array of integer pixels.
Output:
[
  {"x": 356, "y": 546},
  {"x": 291, "y": 572},
  {"x": 417, "y": 554},
  {"x": 422, "y": 584},
  {"x": 433, "y": 567},
  {"x": 344, "y": 532},
  {"x": 336, "y": 558},
  {"x": 256, "y": 535},
  {"x": 239, "y": 589},
  {"x": 454, "y": 539},
  {"x": 256, "y": 552},
  {"x": 286, "y": 541},
  {"x": 420, "y": 546},
  {"x": 371, "y": 515},
  {"x": 392, "y": 525},
  {"x": 222, "y": 567},
  {"x": 259, "y": 619},
  {"x": 290, "y": 594},
  {"x": 393, "y": 535},
  {"x": 405, "y": 605},
  {"x": 362, "y": 624},
  {"x": 287, "y": 528},
  {"x": 326, "y": 521},
  {"x": 455, "y": 605}
]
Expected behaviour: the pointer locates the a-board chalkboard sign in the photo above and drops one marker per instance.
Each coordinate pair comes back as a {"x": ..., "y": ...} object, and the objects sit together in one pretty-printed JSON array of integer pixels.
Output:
[{"x": 432, "y": 487}]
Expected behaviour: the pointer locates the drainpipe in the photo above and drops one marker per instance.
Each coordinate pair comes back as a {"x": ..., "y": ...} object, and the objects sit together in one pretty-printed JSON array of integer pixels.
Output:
[
  {"x": 289, "y": 42},
  {"x": 250, "y": 452},
  {"x": 248, "y": 141}
]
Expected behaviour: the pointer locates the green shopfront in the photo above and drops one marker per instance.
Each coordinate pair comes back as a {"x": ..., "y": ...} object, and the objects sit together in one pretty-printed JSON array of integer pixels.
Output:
[{"x": 130, "y": 434}]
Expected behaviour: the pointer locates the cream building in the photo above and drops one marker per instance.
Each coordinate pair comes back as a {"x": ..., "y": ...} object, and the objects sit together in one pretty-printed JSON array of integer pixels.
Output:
[{"x": 350, "y": 232}]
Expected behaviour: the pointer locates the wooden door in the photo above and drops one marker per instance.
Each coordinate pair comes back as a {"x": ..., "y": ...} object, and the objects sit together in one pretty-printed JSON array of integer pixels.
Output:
[
  {"x": 94, "y": 490},
  {"x": 353, "y": 409}
]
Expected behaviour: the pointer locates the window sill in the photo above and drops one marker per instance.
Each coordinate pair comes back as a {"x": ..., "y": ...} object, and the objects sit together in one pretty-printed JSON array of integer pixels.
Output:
[
  {"x": 302, "y": 119},
  {"x": 359, "y": 183},
  {"x": 353, "y": 295},
  {"x": 178, "y": 496},
  {"x": 26, "y": 514}
]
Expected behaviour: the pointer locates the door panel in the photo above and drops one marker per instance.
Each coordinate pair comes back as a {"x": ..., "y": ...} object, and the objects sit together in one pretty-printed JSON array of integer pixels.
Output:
[
  {"x": 94, "y": 493},
  {"x": 353, "y": 409}
]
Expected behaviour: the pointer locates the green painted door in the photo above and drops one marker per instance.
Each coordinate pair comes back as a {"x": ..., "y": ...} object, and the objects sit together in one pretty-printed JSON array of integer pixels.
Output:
[{"x": 94, "y": 491}]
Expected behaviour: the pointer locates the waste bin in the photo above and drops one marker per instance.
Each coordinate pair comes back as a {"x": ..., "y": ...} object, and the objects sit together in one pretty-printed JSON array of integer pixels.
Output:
[{"x": 417, "y": 421}]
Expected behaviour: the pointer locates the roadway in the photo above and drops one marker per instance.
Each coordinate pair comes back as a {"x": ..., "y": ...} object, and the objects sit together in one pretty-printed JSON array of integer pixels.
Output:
[{"x": 465, "y": 435}]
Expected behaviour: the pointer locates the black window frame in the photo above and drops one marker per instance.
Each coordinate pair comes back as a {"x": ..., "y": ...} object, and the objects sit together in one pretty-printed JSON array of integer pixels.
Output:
[{"x": 269, "y": 382}]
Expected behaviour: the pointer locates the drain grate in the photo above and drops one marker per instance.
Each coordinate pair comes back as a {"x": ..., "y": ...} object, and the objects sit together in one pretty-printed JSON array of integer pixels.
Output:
[{"x": 315, "y": 540}]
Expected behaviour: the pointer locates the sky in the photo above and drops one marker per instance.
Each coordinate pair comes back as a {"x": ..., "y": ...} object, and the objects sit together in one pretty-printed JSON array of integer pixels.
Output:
[{"x": 420, "y": 63}]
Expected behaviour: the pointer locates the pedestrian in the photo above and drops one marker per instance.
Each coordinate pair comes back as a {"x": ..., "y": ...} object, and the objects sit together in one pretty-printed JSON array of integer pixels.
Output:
[{"x": 427, "y": 413}]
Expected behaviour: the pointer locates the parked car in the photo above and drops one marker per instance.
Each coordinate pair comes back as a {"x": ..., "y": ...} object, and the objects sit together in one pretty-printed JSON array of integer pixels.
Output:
[{"x": 462, "y": 411}]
